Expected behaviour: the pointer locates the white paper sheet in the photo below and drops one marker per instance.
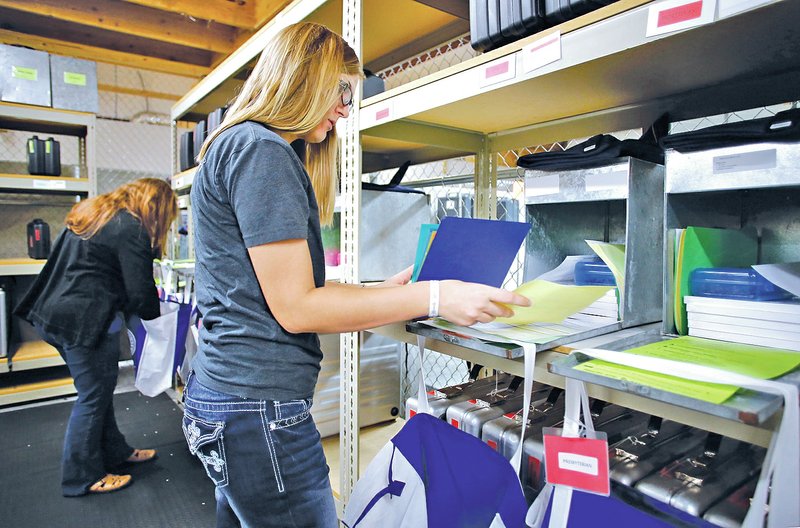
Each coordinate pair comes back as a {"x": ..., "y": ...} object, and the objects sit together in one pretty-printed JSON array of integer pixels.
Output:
[{"x": 786, "y": 275}]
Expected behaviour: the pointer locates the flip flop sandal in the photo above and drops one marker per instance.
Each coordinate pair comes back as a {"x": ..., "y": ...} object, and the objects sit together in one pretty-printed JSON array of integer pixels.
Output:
[
  {"x": 110, "y": 483},
  {"x": 141, "y": 455}
]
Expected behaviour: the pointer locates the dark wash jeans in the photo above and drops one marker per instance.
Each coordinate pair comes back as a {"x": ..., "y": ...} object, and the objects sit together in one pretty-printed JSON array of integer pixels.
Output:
[
  {"x": 93, "y": 443},
  {"x": 264, "y": 457}
]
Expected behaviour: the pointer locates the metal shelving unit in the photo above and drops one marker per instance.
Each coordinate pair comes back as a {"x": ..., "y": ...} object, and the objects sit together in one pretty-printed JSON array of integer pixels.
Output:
[
  {"x": 30, "y": 355},
  {"x": 610, "y": 76}
]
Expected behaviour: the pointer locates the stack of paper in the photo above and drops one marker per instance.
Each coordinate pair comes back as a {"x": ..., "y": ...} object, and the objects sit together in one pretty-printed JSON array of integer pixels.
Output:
[
  {"x": 767, "y": 323},
  {"x": 606, "y": 306}
]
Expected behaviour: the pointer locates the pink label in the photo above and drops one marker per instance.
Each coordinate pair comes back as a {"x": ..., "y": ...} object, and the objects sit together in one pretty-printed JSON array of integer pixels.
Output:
[
  {"x": 545, "y": 44},
  {"x": 381, "y": 114},
  {"x": 679, "y": 14},
  {"x": 497, "y": 69}
]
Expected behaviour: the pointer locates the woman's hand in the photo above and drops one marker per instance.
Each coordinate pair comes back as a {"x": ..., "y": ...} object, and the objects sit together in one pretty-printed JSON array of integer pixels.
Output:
[
  {"x": 398, "y": 279},
  {"x": 466, "y": 303}
]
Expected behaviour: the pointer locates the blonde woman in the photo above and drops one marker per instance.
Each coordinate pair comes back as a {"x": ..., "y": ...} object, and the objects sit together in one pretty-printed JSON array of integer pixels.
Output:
[
  {"x": 100, "y": 269},
  {"x": 261, "y": 286}
]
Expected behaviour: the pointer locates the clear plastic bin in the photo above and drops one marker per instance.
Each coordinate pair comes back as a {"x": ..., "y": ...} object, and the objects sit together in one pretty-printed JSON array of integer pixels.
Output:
[
  {"x": 734, "y": 283},
  {"x": 593, "y": 272}
]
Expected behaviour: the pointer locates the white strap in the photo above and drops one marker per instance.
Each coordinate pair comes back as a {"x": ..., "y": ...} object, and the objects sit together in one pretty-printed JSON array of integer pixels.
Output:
[
  {"x": 422, "y": 392},
  {"x": 781, "y": 468},
  {"x": 530, "y": 363}
]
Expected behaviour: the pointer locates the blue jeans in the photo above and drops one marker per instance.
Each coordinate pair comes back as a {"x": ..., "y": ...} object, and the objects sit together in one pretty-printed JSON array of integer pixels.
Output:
[
  {"x": 264, "y": 457},
  {"x": 93, "y": 443}
]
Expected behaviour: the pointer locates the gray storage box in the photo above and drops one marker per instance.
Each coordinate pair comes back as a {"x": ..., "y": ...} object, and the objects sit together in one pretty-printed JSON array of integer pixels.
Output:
[
  {"x": 389, "y": 232},
  {"x": 704, "y": 476},
  {"x": 503, "y": 433},
  {"x": 644, "y": 452},
  {"x": 24, "y": 76},
  {"x": 74, "y": 84},
  {"x": 440, "y": 400}
]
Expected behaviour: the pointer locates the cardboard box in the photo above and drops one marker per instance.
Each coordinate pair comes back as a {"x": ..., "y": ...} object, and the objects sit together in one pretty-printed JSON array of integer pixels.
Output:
[
  {"x": 74, "y": 84},
  {"x": 24, "y": 76}
]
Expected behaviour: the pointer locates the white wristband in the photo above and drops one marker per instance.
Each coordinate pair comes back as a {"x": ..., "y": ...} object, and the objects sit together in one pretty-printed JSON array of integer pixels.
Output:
[{"x": 433, "y": 299}]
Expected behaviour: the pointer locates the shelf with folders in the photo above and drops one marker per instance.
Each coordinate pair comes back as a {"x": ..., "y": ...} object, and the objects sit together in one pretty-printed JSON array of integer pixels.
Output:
[
  {"x": 617, "y": 207},
  {"x": 553, "y": 366},
  {"x": 726, "y": 209}
]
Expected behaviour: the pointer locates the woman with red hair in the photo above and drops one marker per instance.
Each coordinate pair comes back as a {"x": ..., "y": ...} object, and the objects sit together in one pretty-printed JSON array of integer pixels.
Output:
[{"x": 99, "y": 271}]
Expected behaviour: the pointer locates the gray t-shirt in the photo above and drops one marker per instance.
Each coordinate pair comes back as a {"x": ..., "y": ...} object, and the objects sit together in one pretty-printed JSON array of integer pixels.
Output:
[{"x": 251, "y": 189}]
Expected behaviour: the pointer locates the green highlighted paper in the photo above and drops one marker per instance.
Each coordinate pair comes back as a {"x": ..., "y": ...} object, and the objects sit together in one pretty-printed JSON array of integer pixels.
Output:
[
  {"x": 551, "y": 302},
  {"x": 754, "y": 361}
]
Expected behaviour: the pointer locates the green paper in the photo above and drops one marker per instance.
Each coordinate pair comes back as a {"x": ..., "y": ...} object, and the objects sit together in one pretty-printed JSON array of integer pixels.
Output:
[
  {"x": 710, "y": 392},
  {"x": 703, "y": 247},
  {"x": 28, "y": 74},
  {"x": 749, "y": 360},
  {"x": 426, "y": 234},
  {"x": 77, "y": 79},
  {"x": 613, "y": 255},
  {"x": 551, "y": 302}
]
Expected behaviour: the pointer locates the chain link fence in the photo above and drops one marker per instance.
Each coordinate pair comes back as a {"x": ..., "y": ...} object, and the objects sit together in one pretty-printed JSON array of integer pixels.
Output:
[{"x": 132, "y": 141}]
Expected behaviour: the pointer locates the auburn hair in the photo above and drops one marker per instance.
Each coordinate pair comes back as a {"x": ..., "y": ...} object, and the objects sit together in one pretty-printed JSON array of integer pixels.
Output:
[
  {"x": 150, "y": 200},
  {"x": 293, "y": 85}
]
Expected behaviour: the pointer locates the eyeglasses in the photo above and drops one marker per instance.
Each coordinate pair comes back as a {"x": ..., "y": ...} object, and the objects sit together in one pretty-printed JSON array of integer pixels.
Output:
[{"x": 347, "y": 93}]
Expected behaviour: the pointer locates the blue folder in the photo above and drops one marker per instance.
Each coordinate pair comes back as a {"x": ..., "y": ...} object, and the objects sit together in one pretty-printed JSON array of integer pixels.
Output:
[{"x": 473, "y": 250}]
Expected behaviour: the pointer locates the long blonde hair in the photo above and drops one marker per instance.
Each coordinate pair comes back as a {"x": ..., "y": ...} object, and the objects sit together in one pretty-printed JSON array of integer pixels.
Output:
[
  {"x": 291, "y": 89},
  {"x": 150, "y": 200}
]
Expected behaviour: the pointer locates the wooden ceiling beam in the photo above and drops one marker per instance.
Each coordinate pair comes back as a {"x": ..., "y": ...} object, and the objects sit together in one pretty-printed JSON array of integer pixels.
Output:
[
  {"x": 236, "y": 13},
  {"x": 133, "y": 20},
  {"x": 265, "y": 10},
  {"x": 71, "y": 49}
]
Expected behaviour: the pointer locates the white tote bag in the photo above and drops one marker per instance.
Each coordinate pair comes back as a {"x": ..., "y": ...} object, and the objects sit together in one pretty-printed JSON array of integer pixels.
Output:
[{"x": 154, "y": 373}]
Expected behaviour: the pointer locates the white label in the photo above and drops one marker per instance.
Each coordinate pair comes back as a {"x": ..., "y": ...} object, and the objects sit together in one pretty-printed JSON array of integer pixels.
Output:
[
  {"x": 731, "y": 7},
  {"x": 49, "y": 184},
  {"x": 747, "y": 161},
  {"x": 541, "y": 185},
  {"x": 676, "y": 15},
  {"x": 607, "y": 181},
  {"x": 579, "y": 463},
  {"x": 541, "y": 52},
  {"x": 499, "y": 70}
]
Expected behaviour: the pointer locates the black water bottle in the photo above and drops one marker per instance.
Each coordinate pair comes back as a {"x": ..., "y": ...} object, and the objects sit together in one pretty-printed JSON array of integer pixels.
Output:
[
  {"x": 52, "y": 157},
  {"x": 38, "y": 239},
  {"x": 36, "y": 156}
]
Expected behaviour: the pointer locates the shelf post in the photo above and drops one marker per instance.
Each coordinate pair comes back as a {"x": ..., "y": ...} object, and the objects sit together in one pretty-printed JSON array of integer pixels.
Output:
[
  {"x": 350, "y": 163},
  {"x": 485, "y": 181}
]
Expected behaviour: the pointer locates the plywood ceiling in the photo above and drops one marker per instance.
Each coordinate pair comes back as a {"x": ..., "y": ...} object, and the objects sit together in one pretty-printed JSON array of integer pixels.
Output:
[{"x": 184, "y": 37}]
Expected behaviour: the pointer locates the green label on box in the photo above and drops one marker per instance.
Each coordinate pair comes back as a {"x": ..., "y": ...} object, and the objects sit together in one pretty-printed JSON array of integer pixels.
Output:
[
  {"x": 29, "y": 74},
  {"x": 78, "y": 79},
  {"x": 30, "y": 146},
  {"x": 47, "y": 147}
]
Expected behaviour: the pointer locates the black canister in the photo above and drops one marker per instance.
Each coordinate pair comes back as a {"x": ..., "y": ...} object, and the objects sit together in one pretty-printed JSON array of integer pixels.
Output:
[
  {"x": 36, "y": 156},
  {"x": 38, "y": 239},
  {"x": 52, "y": 157}
]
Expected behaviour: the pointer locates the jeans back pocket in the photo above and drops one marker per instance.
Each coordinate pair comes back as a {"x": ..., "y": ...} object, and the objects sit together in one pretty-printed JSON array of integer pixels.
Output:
[{"x": 204, "y": 439}]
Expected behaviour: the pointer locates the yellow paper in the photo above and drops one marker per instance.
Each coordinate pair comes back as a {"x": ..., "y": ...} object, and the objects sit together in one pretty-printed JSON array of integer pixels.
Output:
[
  {"x": 710, "y": 392},
  {"x": 551, "y": 302},
  {"x": 613, "y": 255},
  {"x": 749, "y": 360}
]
